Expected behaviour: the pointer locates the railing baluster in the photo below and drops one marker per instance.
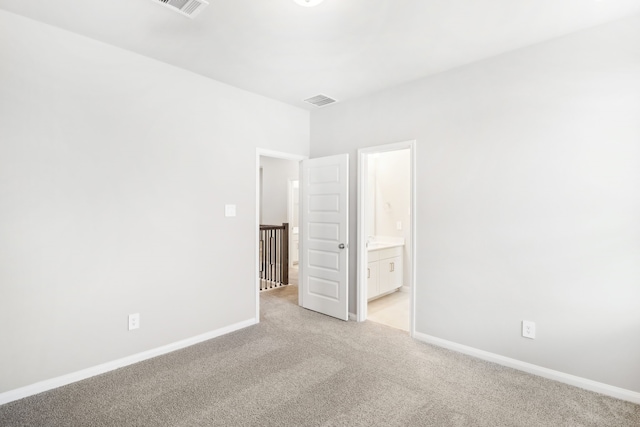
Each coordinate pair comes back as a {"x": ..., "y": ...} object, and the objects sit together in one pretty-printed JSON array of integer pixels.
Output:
[
  {"x": 284, "y": 257},
  {"x": 274, "y": 256}
]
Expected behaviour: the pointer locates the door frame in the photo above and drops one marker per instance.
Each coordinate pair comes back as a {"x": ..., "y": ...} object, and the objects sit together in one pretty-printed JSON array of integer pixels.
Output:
[
  {"x": 278, "y": 155},
  {"x": 363, "y": 153}
]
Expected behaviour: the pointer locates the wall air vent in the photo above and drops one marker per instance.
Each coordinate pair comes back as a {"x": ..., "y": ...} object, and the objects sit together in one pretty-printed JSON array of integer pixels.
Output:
[
  {"x": 320, "y": 100},
  {"x": 190, "y": 8}
]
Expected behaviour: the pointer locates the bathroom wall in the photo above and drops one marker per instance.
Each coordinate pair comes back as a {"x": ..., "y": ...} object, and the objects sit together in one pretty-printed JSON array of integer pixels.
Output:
[{"x": 389, "y": 202}]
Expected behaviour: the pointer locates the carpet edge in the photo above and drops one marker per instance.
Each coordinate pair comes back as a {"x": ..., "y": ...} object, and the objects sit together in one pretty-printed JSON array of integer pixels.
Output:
[
  {"x": 50, "y": 384},
  {"x": 573, "y": 380}
]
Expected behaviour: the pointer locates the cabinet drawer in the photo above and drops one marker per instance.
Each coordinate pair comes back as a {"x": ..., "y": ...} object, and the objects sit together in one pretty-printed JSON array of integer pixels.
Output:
[
  {"x": 373, "y": 255},
  {"x": 390, "y": 252}
]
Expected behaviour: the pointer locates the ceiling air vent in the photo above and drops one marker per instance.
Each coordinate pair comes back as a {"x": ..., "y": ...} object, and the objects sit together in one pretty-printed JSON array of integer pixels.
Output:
[
  {"x": 320, "y": 100},
  {"x": 190, "y": 8}
]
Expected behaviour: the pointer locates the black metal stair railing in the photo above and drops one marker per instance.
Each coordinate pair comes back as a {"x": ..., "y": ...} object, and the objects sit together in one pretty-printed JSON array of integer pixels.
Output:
[{"x": 274, "y": 256}]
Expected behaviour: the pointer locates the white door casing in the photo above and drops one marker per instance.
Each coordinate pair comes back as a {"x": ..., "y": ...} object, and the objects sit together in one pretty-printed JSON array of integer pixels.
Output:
[{"x": 324, "y": 231}]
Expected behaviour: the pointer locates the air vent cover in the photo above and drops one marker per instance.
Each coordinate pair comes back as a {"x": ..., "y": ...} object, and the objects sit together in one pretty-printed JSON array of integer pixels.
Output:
[
  {"x": 190, "y": 8},
  {"x": 320, "y": 100}
]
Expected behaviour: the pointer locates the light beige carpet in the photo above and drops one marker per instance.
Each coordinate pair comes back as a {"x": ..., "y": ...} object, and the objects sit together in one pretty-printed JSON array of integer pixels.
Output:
[{"x": 299, "y": 368}]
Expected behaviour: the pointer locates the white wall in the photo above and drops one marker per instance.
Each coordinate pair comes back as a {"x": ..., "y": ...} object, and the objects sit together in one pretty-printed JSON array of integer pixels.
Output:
[
  {"x": 114, "y": 172},
  {"x": 276, "y": 174},
  {"x": 370, "y": 197},
  {"x": 528, "y": 187}
]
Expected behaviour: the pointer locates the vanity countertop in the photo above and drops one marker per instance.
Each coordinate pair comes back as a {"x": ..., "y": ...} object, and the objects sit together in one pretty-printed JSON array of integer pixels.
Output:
[{"x": 374, "y": 246}]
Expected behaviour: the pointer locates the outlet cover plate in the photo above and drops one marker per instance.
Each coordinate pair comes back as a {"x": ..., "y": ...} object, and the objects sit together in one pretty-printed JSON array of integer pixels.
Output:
[
  {"x": 134, "y": 321},
  {"x": 528, "y": 329}
]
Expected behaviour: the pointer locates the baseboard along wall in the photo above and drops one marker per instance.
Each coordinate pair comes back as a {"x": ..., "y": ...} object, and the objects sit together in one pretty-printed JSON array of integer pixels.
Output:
[
  {"x": 73, "y": 377},
  {"x": 42, "y": 386},
  {"x": 587, "y": 384}
]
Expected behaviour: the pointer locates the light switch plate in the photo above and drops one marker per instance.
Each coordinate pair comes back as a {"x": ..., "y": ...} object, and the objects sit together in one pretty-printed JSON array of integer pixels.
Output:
[{"x": 229, "y": 210}]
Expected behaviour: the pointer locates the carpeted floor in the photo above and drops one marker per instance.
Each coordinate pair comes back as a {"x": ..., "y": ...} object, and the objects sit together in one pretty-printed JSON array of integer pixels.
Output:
[{"x": 299, "y": 368}]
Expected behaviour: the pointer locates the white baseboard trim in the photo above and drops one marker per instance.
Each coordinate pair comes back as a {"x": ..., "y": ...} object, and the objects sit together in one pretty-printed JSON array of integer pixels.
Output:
[
  {"x": 606, "y": 389},
  {"x": 353, "y": 317},
  {"x": 39, "y": 387}
]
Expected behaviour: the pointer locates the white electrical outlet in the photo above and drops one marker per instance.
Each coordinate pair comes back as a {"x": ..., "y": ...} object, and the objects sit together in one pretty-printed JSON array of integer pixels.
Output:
[
  {"x": 399, "y": 225},
  {"x": 134, "y": 321},
  {"x": 528, "y": 329}
]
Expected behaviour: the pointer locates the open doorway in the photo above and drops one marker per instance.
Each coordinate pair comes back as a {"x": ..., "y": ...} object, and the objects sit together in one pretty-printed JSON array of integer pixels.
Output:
[
  {"x": 323, "y": 232},
  {"x": 277, "y": 184},
  {"x": 386, "y": 231}
]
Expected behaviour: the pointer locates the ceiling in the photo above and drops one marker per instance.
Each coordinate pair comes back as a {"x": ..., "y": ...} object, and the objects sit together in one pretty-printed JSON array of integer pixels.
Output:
[{"x": 342, "y": 48}]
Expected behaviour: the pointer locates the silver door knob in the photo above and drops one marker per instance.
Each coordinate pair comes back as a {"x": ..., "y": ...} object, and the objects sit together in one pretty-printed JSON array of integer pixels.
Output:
[{"x": 341, "y": 245}]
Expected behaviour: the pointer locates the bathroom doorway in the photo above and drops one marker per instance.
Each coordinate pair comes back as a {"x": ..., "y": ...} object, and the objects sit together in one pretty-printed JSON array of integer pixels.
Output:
[{"x": 386, "y": 232}]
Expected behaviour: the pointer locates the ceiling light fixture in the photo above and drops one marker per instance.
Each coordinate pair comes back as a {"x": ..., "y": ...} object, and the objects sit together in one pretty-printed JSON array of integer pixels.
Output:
[{"x": 308, "y": 3}]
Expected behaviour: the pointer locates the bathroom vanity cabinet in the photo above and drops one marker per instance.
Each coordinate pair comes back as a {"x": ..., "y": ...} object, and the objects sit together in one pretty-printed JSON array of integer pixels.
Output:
[{"x": 384, "y": 271}]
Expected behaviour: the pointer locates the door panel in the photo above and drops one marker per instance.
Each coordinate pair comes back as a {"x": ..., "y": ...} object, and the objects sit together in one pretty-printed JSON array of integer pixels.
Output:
[
  {"x": 327, "y": 231},
  {"x": 324, "y": 213}
]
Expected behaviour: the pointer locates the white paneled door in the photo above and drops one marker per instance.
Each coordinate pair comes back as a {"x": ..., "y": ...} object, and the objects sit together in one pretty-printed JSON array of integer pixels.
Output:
[{"x": 324, "y": 232}]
